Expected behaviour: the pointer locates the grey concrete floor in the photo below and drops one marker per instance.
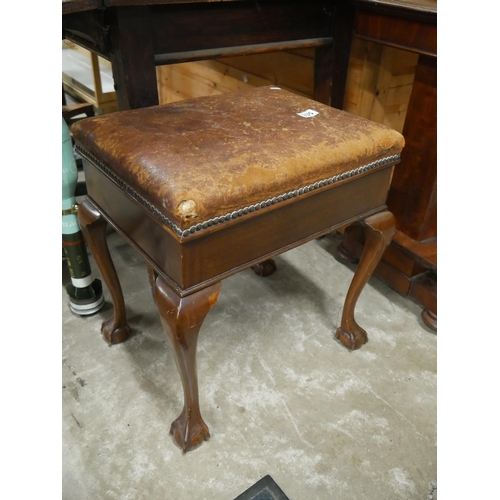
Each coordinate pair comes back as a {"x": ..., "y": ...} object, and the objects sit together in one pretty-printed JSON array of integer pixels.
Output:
[{"x": 279, "y": 393}]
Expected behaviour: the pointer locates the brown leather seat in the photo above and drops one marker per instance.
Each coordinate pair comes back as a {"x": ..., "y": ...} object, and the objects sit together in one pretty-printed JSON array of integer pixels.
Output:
[{"x": 200, "y": 161}]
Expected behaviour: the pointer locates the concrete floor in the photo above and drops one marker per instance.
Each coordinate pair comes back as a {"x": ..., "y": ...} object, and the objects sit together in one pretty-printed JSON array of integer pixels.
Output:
[{"x": 280, "y": 395}]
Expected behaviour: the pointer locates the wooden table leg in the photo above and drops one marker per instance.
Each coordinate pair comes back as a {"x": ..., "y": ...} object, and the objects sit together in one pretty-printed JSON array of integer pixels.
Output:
[
  {"x": 182, "y": 319},
  {"x": 115, "y": 329},
  {"x": 379, "y": 229},
  {"x": 132, "y": 58}
]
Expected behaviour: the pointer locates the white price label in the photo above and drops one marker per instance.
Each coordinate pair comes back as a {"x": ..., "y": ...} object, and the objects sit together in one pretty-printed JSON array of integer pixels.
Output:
[{"x": 308, "y": 113}]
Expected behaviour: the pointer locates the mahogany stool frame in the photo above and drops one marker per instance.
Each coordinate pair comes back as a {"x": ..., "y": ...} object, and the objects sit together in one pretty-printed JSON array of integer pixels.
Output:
[{"x": 186, "y": 269}]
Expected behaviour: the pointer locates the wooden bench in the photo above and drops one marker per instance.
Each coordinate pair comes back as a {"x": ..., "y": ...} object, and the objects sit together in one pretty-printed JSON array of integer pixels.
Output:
[{"x": 208, "y": 187}]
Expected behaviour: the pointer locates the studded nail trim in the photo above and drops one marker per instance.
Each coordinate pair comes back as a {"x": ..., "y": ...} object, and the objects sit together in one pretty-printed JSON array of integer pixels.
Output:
[{"x": 236, "y": 213}]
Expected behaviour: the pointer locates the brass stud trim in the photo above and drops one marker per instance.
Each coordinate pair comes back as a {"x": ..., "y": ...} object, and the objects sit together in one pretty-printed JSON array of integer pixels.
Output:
[{"x": 200, "y": 226}]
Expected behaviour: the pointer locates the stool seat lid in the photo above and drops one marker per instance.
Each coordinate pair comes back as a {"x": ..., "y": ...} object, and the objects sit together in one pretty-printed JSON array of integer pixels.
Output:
[{"x": 204, "y": 158}]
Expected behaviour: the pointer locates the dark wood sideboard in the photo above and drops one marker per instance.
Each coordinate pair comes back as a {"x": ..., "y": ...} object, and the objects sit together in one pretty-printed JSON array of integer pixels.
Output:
[{"x": 410, "y": 263}]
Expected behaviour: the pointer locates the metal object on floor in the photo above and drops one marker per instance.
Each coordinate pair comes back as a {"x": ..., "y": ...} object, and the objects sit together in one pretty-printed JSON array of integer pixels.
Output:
[{"x": 265, "y": 489}]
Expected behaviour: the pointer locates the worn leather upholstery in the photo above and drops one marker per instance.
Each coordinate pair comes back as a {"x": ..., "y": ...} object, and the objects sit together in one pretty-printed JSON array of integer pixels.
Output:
[{"x": 202, "y": 158}]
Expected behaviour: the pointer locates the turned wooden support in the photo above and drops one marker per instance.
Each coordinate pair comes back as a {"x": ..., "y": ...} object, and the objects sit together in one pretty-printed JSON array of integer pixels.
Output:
[
  {"x": 182, "y": 319},
  {"x": 379, "y": 230},
  {"x": 115, "y": 329}
]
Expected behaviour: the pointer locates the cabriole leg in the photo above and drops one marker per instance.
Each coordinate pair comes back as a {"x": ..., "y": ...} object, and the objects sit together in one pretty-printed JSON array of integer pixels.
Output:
[
  {"x": 182, "y": 319},
  {"x": 379, "y": 229},
  {"x": 115, "y": 329}
]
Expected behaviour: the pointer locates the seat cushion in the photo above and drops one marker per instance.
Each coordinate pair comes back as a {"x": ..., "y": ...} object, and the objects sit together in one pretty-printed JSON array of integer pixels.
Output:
[{"x": 199, "y": 161}]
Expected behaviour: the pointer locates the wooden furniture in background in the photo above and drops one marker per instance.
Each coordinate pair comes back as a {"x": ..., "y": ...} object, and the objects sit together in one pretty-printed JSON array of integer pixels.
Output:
[
  {"x": 410, "y": 263},
  {"x": 82, "y": 77},
  {"x": 137, "y": 36},
  {"x": 380, "y": 82},
  {"x": 378, "y": 87},
  {"x": 240, "y": 193},
  {"x": 292, "y": 70},
  {"x": 71, "y": 111}
]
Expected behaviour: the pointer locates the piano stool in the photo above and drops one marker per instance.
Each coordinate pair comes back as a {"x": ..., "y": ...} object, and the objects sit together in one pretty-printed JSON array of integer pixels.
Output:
[{"x": 205, "y": 188}]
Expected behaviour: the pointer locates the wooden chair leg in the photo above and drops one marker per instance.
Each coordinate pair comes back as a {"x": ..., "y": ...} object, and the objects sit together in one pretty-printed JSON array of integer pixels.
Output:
[
  {"x": 93, "y": 225},
  {"x": 379, "y": 229},
  {"x": 182, "y": 319}
]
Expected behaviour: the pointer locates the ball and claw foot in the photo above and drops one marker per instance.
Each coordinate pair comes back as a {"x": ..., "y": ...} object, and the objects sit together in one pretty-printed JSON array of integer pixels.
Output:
[
  {"x": 354, "y": 339},
  {"x": 378, "y": 229},
  {"x": 189, "y": 433},
  {"x": 113, "y": 333}
]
